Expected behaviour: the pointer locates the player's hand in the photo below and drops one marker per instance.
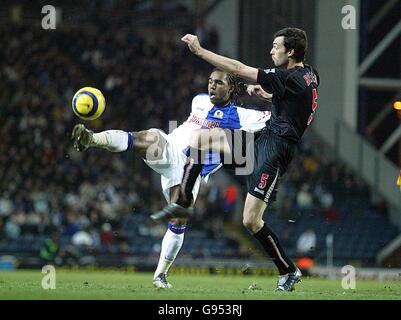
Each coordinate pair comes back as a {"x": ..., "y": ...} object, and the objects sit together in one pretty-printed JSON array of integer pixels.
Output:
[
  {"x": 192, "y": 42},
  {"x": 258, "y": 91}
]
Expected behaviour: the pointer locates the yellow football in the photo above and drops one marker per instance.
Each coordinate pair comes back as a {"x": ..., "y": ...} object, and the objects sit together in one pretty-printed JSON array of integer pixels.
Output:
[{"x": 88, "y": 103}]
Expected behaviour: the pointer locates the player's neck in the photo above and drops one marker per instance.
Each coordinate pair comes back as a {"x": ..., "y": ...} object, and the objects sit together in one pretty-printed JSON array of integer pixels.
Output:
[
  {"x": 223, "y": 104},
  {"x": 292, "y": 64}
]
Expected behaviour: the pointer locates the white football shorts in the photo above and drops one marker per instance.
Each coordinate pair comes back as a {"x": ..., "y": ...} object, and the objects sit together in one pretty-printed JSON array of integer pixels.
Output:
[{"x": 171, "y": 166}]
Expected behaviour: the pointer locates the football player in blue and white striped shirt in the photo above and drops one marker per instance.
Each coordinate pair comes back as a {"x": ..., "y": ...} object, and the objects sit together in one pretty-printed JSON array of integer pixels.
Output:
[{"x": 167, "y": 153}]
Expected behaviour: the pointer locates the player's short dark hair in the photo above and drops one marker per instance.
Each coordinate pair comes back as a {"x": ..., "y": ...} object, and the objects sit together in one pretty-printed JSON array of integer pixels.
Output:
[{"x": 296, "y": 39}]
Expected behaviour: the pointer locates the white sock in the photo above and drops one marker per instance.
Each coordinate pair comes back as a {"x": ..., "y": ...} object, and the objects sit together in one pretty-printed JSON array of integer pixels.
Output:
[
  {"x": 113, "y": 140},
  {"x": 171, "y": 245}
]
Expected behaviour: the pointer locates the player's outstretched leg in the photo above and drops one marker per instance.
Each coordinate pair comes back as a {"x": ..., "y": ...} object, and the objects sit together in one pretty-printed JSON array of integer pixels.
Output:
[
  {"x": 148, "y": 143},
  {"x": 82, "y": 137},
  {"x": 111, "y": 140}
]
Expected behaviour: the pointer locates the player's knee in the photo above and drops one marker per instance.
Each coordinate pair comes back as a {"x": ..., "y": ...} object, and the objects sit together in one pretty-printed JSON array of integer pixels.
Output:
[
  {"x": 149, "y": 144},
  {"x": 178, "y": 222},
  {"x": 248, "y": 223},
  {"x": 251, "y": 224},
  {"x": 145, "y": 138}
]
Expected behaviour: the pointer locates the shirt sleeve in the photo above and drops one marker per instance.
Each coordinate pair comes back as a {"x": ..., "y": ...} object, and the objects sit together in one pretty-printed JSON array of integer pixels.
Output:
[
  {"x": 196, "y": 106},
  {"x": 273, "y": 80},
  {"x": 252, "y": 120},
  {"x": 199, "y": 102},
  {"x": 196, "y": 103}
]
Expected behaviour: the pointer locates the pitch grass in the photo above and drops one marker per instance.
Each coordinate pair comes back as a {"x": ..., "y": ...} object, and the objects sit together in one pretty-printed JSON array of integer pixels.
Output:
[{"x": 96, "y": 285}]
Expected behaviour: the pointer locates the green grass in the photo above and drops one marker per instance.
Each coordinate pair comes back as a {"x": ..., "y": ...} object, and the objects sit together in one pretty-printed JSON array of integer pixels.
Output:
[{"x": 26, "y": 285}]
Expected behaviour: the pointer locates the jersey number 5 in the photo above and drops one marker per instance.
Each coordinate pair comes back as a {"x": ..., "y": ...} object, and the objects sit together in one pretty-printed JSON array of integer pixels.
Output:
[
  {"x": 314, "y": 105},
  {"x": 263, "y": 181}
]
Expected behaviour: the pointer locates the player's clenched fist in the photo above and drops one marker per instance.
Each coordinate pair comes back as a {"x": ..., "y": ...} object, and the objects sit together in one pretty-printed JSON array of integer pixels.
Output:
[
  {"x": 192, "y": 42},
  {"x": 258, "y": 91}
]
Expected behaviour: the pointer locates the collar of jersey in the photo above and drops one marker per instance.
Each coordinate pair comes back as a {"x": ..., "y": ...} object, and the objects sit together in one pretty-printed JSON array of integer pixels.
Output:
[{"x": 226, "y": 106}]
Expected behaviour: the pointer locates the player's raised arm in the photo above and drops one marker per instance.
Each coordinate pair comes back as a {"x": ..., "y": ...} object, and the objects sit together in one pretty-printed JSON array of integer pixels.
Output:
[{"x": 226, "y": 64}]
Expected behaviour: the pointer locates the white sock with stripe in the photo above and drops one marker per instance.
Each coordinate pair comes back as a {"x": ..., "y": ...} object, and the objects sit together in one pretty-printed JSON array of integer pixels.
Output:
[
  {"x": 113, "y": 140},
  {"x": 171, "y": 245}
]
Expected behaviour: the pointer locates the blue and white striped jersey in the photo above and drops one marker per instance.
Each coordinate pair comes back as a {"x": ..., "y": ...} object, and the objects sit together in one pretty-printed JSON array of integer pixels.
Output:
[{"x": 206, "y": 115}]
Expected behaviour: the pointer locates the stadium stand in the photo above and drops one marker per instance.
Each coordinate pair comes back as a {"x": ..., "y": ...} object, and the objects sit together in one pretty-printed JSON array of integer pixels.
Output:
[{"x": 95, "y": 200}]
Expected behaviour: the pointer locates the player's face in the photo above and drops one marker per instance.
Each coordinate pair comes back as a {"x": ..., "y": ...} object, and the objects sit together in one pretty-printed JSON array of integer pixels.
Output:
[
  {"x": 278, "y": 52},
  {"x": 219, "y": 89}
]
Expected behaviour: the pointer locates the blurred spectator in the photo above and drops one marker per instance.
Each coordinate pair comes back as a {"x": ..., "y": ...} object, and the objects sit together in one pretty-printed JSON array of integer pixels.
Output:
[
  {"x": 106, "y": 235},
  {"x": 326, "y": 200},
  {"x": 230, "y": 199},
  {"x": 330, "y": 213},
  {"x": 72, "y": 225},
  {"x": 6, "y": 205},
  {"x": 304, "y": 198},
  {"x": 50, "y": 249},
  {"x": 82, "y": 238},
  {"x": 324, "y": 197},
  {"x": 306, "y": 243},
  {"x": 12, "y": 229},
  {"x": 310, "y": 165}
]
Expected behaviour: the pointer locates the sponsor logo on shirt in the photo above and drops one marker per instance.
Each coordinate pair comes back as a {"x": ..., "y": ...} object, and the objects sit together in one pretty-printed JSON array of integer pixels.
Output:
[
  {"x": 258, "y": 190},
  {"x": 270, "y": 70},
  {"x": 310, "y": 78},
  {"x": 203, "y": 122}
]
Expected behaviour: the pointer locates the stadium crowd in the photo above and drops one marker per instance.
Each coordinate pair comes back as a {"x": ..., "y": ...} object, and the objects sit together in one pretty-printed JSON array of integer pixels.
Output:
[{"x": 45, "y": 184}]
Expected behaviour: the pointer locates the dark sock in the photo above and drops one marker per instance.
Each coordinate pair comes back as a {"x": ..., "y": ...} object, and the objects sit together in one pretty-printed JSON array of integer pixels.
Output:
[
  {"x": 192, "y": 169},
  {"x": 271, "y": 245}
]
